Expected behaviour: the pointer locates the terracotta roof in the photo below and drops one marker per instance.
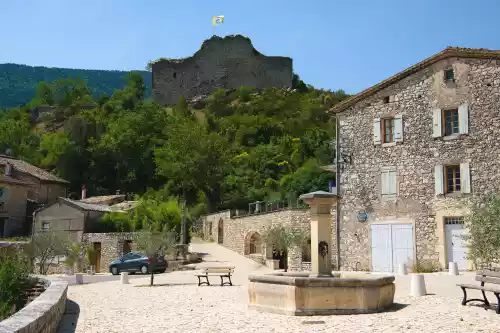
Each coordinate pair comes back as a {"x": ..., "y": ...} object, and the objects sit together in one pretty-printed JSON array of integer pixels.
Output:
[
  {"x": 10, "y": 180},
  {"x": 89, "y": 206},
  {"x": 102, "y": 198},
  {"x": 446, "y": 53},
  {"x": 30, "y": 169}
]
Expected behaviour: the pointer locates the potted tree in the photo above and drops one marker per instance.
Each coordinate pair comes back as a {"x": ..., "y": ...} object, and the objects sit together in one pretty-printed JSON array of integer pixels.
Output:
[{"x": 91, "y": 258}]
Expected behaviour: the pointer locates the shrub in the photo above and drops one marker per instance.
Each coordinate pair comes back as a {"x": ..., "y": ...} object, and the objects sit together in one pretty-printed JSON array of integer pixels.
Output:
[
  {"x": 425, "y": 266},
  {"x": 14, "y": 280}
]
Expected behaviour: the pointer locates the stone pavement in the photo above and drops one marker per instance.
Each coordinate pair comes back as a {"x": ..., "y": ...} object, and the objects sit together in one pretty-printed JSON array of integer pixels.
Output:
[{"x": 177, "y": 304}]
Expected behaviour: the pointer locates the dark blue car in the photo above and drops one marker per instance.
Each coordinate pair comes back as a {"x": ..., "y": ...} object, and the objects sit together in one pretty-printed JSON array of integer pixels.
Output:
[{"x": 135, "y": 262}]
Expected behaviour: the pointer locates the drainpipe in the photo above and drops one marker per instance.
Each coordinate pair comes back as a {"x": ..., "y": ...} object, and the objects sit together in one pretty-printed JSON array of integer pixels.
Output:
[{"x": 337, "y": 185}]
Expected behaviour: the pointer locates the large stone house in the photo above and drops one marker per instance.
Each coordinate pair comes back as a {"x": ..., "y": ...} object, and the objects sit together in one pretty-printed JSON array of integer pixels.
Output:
[
  {"x": 23, "y": 187},
  {"x": 414, "y": 149}
]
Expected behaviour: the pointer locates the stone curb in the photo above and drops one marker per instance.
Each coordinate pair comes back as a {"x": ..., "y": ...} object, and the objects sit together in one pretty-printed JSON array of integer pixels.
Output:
[{"x": 43, "y": 314}]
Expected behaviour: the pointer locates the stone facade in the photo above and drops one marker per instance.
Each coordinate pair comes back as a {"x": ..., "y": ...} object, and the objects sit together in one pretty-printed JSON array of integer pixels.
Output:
[
  {"x": 113, "y": 246},
  {"x": 419, "y": 152},
  {"x": 227, "y": 63},
  {"x": 235, "y": 232}
]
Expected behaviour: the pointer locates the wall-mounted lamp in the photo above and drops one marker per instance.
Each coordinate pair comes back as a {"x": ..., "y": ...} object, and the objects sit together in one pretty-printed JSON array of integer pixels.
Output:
[{"x": 362, "y": 216}]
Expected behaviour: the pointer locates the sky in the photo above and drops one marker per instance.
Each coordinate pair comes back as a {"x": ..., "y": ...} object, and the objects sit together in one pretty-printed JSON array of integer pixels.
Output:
[{"x": 349, "y": 45}]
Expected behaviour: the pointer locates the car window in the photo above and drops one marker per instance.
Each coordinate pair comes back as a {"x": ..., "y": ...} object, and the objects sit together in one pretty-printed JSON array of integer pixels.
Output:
[{"x": 129, "y": 256}]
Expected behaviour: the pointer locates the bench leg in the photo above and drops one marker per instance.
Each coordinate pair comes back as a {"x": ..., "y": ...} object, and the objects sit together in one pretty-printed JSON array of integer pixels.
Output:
[
  {"x": 484, "y": 300},
  {"x": 203, "y": 282},
  {"x": 464, "y": 301},
  {"x": 486, "y": 303},
  {"x": 498, "y": 302},
  {"x": 222, "y": 283}
]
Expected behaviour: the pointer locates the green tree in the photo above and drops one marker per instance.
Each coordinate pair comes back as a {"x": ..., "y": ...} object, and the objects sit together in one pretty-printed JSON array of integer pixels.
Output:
[
  {"x": 483, "y": 227},
  {"x": 284, "y": 238}
]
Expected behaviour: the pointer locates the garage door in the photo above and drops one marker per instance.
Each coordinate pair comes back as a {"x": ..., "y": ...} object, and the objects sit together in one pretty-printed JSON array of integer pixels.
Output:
[
  {"x": 455, "y": 244},
  {"x": 392, "y": 245}
]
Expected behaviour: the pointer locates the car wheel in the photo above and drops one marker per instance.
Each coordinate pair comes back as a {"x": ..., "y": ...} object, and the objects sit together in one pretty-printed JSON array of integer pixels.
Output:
[
  {"x": 114, "y": 270},
  {"x": 144, "y": 269}
]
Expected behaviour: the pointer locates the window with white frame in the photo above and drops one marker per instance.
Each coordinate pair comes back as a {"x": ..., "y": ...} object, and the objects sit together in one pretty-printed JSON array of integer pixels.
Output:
[
  {"x": 45, "y": 226},
  {"x": 388, "y": 129},
  {"x": 388, "y": 179},
  {"x": 450, "y": 121},
  {"x": 452, "y": 178}
]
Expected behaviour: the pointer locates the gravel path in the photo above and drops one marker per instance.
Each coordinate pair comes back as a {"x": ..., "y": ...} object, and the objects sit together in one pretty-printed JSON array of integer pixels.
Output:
[{"x": 179, "y": 305}]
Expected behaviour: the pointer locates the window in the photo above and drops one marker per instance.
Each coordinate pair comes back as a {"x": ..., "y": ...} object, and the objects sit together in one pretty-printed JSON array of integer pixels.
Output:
[
  {"x": 45, "y": 226},
  {"x": 449, "y": 76},
  {"x": 387, "y": 130},
  {"x": 386, "y": 99},
  {"x": 454, "y": 220},
  {"x": 450, "y": 122},
  {"x": 389, "y": 183},
  {"x": 452, "y": 178}
]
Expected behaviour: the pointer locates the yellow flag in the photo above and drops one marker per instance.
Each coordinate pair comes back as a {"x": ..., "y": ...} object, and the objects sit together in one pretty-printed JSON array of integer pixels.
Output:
[{"x": 217, "y": 20}]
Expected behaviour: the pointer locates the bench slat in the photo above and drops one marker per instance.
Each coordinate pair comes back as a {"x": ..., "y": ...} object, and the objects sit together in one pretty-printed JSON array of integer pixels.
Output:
[
  {"x": 489, "y": 273},
  {"x": 487, "y": 279},
  {"x": 218, "y": 270},
  {"x": 477, "y": 287}
]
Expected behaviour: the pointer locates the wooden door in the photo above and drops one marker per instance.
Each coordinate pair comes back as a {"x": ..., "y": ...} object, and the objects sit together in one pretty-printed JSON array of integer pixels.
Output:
[{"x": 97, "y": 248}]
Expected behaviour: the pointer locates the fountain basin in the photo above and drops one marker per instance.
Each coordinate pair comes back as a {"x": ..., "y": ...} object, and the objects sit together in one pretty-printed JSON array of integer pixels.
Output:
[{"x": 297, "y": 294}]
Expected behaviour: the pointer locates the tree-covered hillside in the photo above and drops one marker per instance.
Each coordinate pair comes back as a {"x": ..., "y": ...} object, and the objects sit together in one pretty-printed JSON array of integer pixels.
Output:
[
  {"x": 18, "y": 82},
  {"x": 242, "y": 146}
]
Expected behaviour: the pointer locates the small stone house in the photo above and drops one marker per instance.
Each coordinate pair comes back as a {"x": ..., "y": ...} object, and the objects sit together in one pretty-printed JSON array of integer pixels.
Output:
[
  {"x": 23, "y": 188},
  {"x": 414, "y": 149}
]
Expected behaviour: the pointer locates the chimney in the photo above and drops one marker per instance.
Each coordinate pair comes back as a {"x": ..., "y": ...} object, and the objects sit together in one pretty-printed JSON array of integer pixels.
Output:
[
  {"x": 84, "y": 192},
  {"x": 8, "y": 169}
]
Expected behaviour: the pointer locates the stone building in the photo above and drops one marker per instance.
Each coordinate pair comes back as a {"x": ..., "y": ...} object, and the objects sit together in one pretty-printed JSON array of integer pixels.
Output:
[
  {"x": 24, "y": 187},
  {"x": 415, "y": 149},
  {"x": 244, "y": 235},
  {"x": 222, "y": 62}
]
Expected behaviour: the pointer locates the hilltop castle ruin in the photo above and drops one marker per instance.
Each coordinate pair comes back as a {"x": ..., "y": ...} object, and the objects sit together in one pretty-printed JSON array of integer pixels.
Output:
[{"x": 221, "y": 63}]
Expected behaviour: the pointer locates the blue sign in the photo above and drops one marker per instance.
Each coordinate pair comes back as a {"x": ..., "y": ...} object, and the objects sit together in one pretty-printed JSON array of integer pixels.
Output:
[{"x": 362, "y": 216}]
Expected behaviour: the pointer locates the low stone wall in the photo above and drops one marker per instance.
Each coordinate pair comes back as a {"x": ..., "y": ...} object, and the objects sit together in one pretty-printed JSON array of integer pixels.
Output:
[{"x": 43, "y": 314}]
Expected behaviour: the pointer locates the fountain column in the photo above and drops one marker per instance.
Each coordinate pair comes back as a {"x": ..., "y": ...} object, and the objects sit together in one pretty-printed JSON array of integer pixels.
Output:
[{"x": 320, "y": 204}]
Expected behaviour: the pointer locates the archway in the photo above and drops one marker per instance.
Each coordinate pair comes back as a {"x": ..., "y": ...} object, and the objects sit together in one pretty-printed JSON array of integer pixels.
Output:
[
  {"x": 306, "y": 251},
  {"x": 253, "y": 243},
  {"x": 220, "y": 232}
]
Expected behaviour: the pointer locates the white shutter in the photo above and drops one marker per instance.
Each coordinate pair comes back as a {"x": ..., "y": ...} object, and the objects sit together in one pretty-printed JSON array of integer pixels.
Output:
[
  {"x": 376, "y": 131},
  {"x": 439, "y": 179},
  {"x": 385, "y": 182},
  {"x": 436, "y": 123},
  {"x": 392, "y": 183},
  {"x": 398, "y": 128},
  {"x": 464, "y": 178},
  {"x": 463, "y": 118}
]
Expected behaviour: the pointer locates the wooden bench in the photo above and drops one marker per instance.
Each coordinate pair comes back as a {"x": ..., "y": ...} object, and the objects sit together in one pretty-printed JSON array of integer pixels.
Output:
[
  {"x": 490, "y": 277},
  {"x": 223, "y": 272}
]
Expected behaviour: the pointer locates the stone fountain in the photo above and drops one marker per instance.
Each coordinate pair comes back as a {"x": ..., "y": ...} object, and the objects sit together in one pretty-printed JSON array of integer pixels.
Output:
[{"x": 320, "y": 292}]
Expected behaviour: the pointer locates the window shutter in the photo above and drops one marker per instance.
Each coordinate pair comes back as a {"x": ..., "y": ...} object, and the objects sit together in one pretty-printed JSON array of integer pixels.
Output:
[
  {"x": 463, "y": 118},
  {"x": 376, "y": 131},
  {"x": 439, "y": 179},
  {"x": 464, "y": 178},
  {"x": 392, "y": 182},
  {"x": 398, "y": 128},
  {"x": 436, "y": 123},
  {"x": 385, "y": 182}
]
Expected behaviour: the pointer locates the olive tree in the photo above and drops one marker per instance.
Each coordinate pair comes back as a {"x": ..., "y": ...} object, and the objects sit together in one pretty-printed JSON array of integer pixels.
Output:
[
  {"x": 283, "y": 238},
  {"x": 153, "y": 244},
  {"x": 483, "y": 238},
  {"x": 45, "y": 246}
]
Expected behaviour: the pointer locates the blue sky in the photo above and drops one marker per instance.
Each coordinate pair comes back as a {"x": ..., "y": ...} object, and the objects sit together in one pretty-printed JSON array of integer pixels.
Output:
[{"x": 348, "y": 45}]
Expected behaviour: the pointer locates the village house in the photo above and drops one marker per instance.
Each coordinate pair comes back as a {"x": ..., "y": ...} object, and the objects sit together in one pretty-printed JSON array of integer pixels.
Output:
[
  {"x": 414, "y": 149},
  {"x": 23, "y": 188},
  {"x": 80, "y": 219}
]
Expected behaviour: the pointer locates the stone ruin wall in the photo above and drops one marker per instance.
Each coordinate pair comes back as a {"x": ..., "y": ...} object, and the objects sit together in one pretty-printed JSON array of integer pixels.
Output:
[{"x": 221, "y": 63}]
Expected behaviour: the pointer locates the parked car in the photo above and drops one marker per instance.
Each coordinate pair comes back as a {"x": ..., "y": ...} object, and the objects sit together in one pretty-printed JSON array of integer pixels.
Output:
[{"x": 137, "y": 262}]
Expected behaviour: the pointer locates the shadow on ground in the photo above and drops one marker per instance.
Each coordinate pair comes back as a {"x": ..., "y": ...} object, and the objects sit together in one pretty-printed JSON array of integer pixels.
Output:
[
  {"x": 70, "y": 318},
  {"x": 396, "y": 307},
  {"x": 181, "y": 284}
]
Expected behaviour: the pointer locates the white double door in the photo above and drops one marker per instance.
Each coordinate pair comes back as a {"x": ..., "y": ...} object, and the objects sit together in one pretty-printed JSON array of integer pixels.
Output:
[{"x": 392, "y": 245}]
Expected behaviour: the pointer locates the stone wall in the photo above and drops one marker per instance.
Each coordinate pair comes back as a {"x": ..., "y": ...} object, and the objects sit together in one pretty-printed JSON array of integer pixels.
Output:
[
  {"x": 228, "y": 63},
  {"x": 112, "y": 245},
  {"x": 237, "y": 230},
  {"x": 43, "y": 314},
  {"x": 477, "y": 83}
]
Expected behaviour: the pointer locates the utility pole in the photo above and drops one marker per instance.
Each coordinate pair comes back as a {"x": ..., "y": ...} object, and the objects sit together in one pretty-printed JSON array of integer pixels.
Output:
[{"x": 183, "y": 224}]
